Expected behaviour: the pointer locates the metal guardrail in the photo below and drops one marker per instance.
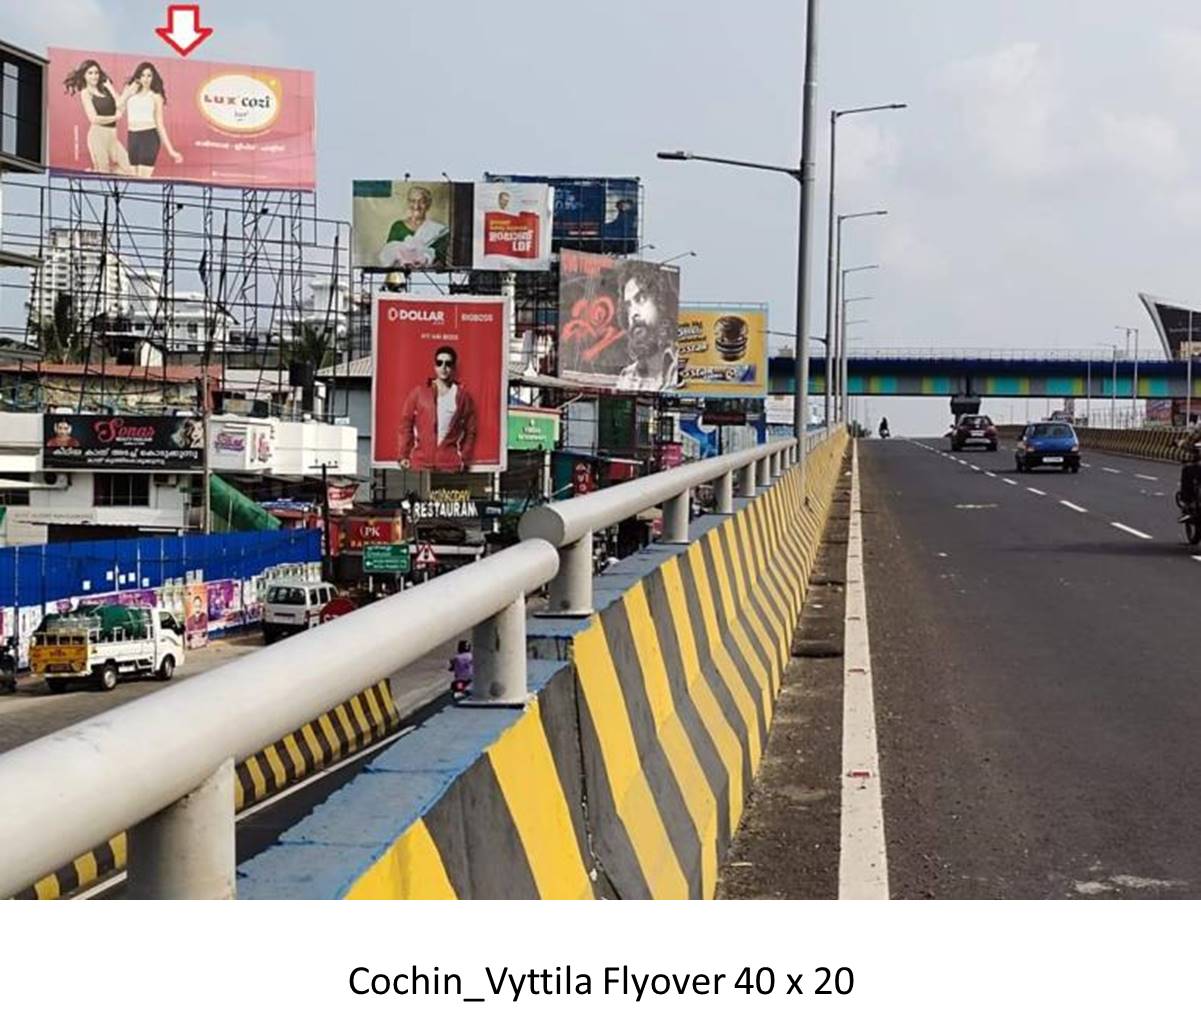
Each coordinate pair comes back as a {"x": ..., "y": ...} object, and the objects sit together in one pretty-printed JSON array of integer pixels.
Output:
[{"x": 164, "y": 764}]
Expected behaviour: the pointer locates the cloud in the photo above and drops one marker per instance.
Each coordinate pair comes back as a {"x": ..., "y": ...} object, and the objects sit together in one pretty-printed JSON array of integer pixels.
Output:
[
  {"x": 865, "y": 150},
  {"x": 81, "y": 24},
  {"x": 1008, "y": 101},
  {"x": 1147, "y": 145},
  {"x": 1180, "y": 52}
]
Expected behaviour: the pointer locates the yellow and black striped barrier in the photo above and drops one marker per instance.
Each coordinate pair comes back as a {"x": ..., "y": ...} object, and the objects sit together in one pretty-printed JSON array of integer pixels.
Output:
[
  {"x": 627, "y": 775},
  {"x": 367, "y": 717}
]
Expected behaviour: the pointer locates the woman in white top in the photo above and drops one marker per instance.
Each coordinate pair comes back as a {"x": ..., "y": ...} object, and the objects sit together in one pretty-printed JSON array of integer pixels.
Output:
[
  {"x": 144, "y": 98},
  {"x": 102, "y": 107}
]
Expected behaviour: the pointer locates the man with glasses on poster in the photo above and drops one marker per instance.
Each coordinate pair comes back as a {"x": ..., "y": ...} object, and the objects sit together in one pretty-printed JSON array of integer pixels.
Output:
[{"x": 438, "y": 421}]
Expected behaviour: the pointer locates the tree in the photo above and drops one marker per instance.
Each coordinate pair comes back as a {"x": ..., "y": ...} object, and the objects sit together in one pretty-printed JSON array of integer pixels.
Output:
[{"x": 60, "y": 338}]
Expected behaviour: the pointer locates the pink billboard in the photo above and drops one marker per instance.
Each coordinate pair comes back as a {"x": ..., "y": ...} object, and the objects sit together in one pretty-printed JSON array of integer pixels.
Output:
[{"x": 170, "y": 118}]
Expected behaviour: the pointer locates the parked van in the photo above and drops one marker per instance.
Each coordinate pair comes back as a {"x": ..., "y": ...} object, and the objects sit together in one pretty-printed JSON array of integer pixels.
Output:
[
  {"x": 104, "y": 642},
  {"x": 292, "y": 606}
]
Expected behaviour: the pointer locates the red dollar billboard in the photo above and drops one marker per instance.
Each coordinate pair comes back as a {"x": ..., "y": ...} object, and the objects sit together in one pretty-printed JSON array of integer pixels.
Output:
[
  {"x": 439, "y": 399},
  {"x": 128, "y": 116}
]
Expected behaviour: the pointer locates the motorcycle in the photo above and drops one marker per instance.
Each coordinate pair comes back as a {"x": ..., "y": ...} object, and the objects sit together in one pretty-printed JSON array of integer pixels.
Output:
[
  {"x": 884, "y": 432},
  {"x": 1189, "y": 500}
]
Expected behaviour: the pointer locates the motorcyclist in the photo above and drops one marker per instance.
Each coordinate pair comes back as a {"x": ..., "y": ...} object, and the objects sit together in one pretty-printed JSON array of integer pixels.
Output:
[
  {"x": 883, "y": 432},
  {"x": 1190, "y": 473}
]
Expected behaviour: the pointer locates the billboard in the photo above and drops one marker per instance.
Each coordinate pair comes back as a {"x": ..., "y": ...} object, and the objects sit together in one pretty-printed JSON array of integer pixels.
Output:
[
  {"x": 511, "y": 226},
  {"x": 590, "y": 214},
  {"x": 618, "y": 322},
  {"x": 439, "y": 394},
  {"x": 140, "y": 442},
  {"x": 723, "y": 350},
  {"x": 412, "y": 224},
  {"x": 533, "y": 429},
  {"x": 126, "y": 115}
]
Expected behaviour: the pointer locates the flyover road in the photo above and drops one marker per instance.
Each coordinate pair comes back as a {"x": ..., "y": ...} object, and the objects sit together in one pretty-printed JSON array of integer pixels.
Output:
[{"x": 1037, "y": 698}]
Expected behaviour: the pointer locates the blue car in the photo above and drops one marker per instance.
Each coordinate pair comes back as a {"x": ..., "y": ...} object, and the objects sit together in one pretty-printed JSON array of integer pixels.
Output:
[{"x": 1050, "y": 444}]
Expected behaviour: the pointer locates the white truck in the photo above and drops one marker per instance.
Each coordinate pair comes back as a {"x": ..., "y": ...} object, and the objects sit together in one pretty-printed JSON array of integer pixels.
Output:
[{"x": 105, "y": 642}]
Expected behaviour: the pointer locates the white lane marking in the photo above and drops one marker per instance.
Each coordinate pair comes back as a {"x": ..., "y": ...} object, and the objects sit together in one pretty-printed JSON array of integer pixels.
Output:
[
  {"x": 1133, "y": 532},
  {"x": 1086, "y": 465},
  {"x": 1153, "y": 479},
  {"x": 991, "y": 475},
  {"x": 1074, "y": 507},
  {"x": 974, "y": 468},
  {"x": 961, "y": 461},
  {"x": 1009, "y": 481},
  {"x": 1034, "y": 491},
  {"x": 1106, "y": 468},
  {"x": 1195, "y": 557},
  {"x": 862, "y": 857}
]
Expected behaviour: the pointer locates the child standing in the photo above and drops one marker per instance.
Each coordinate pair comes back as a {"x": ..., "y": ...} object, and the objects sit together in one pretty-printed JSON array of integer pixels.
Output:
[{"x": 462, "y": 670}]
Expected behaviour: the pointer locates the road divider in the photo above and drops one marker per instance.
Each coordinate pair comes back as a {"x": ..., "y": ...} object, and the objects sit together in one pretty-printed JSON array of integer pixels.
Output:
[
  {"x": 626, "y": 774},
  {"x": 344, "y": 730}
]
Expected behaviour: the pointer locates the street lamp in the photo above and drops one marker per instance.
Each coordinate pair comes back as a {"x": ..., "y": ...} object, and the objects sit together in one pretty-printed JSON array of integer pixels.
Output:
[
  {"x": 831, "y": 255},
  {"x": 1128, "y": 329},
  {"x": 841, "y": 358},
  {"x": 676, "y": 257}
]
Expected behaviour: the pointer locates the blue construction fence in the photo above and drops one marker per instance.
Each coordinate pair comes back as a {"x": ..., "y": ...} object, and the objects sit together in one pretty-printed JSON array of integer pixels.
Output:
[{"x": 219, "y": 573}]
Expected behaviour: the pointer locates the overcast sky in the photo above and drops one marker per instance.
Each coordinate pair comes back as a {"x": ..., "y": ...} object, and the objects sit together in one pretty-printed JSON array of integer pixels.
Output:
[{"x": 1042, "y": 176}]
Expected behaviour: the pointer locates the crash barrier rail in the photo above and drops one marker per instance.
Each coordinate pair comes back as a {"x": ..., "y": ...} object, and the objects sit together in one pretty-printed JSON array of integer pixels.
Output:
[
  {"x": 1158, "y": 443},
  {"x": 165, "y": 764}
]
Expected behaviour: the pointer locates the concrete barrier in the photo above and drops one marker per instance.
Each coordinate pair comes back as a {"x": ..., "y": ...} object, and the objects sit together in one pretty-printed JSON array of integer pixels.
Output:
[
  {"x": 367, "y": 717},
  {"x": 626, "y": 774}
]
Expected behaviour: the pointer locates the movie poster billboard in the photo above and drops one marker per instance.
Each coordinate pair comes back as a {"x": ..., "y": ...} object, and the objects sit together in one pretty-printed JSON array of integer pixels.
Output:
[
  {"x": 723, "y": 350},
  {"x": 439, "y": 393},
  {"x": 410, "y": 224},
  {"x": 144, "y": 443},
  {"x": 511, "y": 229},
  {"x": 196, "y": 615},
  {"x": 166, "y": 118},
  {"x": 618, "y": 322}
]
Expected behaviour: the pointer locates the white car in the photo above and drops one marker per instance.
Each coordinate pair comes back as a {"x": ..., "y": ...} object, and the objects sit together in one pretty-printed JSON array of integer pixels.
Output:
[{"x": 292, "y": 606}]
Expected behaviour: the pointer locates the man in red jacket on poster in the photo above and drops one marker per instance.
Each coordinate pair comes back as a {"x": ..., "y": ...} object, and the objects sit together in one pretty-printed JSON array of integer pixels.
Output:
[{"x": 438, "y": 421}]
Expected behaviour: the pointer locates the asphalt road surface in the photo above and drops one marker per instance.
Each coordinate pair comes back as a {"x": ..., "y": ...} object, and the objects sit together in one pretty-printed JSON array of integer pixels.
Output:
[{"x": 1037, "y": 702}]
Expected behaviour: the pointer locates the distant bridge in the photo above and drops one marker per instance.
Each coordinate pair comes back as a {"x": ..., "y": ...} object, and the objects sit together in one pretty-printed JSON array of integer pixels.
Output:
[{"x": 995, "y": 374}]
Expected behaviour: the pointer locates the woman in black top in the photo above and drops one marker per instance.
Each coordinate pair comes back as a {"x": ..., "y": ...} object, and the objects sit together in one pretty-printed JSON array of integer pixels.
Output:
[{"x": 103, "y": 108}]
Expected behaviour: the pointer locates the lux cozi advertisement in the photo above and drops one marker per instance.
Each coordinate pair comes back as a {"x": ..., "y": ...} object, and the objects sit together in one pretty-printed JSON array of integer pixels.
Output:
[
  {"x": 130, "y": 116},
  {"x": 618, "y": 322},
  {"x": 439, "y": 391},
  {"x": 139, "y": 442},
  {"x": 723, "y": 350}
]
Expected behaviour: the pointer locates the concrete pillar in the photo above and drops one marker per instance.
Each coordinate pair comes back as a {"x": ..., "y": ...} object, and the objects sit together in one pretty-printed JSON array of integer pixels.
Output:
[
  {"x": 724, "y": 494},
  {"x": 675, "y": 519},
  {"x": 746, "y": 480},
  {"x": 571, "y": 589},
  {"x": 498, "y": 649},
  {"x": 187, "y": 851},
  {"x": 762, "y": 474}
]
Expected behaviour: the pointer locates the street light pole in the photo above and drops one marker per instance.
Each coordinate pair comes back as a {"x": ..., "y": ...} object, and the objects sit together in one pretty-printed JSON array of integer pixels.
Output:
[
  {"x": 838, "y": 333},
  {"x": 831, "y": 250},
  {"x": 801, "y": 350},
  {"x": 1128, "y": 329}
]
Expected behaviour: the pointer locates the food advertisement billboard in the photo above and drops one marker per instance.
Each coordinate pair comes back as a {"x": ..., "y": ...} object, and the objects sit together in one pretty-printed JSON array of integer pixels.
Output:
[
  {"x": 167, "y": 118},
  {"x": 723, "y": 350},
  {"x": 439, "y": 395}
]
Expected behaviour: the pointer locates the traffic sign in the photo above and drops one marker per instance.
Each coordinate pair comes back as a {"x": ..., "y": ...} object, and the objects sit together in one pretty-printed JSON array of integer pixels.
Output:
[
  {"x": 386, "y": 558},
  {"x": 426, "y": 559}
]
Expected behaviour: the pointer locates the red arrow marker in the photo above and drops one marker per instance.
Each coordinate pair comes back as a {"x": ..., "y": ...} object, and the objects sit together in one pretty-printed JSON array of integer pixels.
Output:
[{"x": 183, "y": 31}]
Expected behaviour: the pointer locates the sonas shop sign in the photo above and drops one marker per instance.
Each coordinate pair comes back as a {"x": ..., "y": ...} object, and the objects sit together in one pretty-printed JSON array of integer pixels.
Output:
[
  {"x": 396, "y": 314},
  {"x": 237, "y": 102}
]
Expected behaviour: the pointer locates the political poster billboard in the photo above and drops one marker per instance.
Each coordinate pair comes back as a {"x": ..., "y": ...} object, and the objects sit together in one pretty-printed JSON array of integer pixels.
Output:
[
  {"x": 144, "y": 443},
  {"x": 723, "y": 350},
  {"x": 593, "y": 214},
  {"x": 511, "y": 228},
  {"x": 439, "y": 393},
  {"x": 618, "y": 322},
  {"x": 412, "y": 224},
  {"x": 167, "y": 118}
]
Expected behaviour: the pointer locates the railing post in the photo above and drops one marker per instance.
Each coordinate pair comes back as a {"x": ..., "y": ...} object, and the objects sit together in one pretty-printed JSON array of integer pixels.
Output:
[
  {"x": 498, "y": 650},
  {"x": 746, "y": 480},
  {"x": 762, "y": 474},
  {"x": 571, "y": 589},
  {"x": 187, "y": 851},
  {"x": 725, "y": 494},
  {"x": 775, "y": 468},
  {"x": 675, "y": 519}
]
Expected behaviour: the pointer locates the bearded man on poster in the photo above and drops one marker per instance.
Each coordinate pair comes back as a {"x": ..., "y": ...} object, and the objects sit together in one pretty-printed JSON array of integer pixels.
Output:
[{"x": 438, "y": 421}]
